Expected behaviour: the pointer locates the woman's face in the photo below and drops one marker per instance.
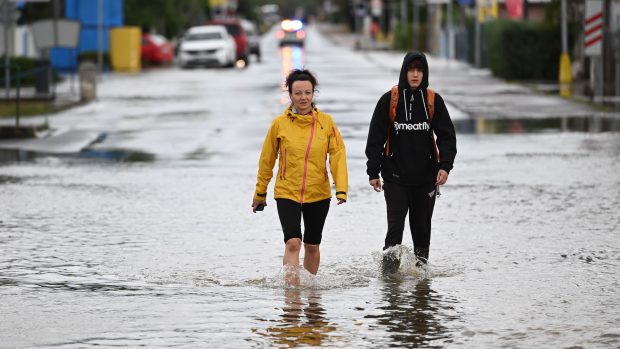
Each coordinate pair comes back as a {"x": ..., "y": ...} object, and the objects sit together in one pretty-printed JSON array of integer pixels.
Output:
[{"x": 301, "y": 96}]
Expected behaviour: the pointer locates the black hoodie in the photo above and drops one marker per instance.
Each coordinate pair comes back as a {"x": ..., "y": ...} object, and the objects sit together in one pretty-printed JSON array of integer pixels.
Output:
[{"x": 413, "y": 160}]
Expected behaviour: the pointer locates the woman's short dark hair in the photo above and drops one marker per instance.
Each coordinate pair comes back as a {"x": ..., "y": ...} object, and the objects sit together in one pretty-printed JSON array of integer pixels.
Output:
[{"x": 300, "y": 75}]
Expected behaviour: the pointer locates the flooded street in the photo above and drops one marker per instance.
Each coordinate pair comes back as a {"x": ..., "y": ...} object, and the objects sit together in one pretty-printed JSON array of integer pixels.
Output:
[{"x": 146, "y": 236}]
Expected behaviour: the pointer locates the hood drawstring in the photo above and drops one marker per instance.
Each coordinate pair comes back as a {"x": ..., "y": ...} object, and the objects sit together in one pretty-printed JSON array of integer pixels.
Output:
[
  {"x": 316, "y": 117},
  {"x": 405, "y": 105},
  {"x": 409, "y": 109},
  {"x": 319, "y": 121},
  {"x": 424, "y": 104}
]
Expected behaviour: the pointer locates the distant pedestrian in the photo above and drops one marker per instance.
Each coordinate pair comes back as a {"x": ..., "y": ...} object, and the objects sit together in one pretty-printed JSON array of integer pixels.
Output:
[
  {"x": 374, "y": 29},
  {"x": 301, "y": 138},
  {"x": 412, "y": 143}
]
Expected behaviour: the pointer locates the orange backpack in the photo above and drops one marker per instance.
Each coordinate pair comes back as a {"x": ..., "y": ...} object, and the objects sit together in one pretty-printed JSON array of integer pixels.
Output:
[{"x": 430, "y": 107}]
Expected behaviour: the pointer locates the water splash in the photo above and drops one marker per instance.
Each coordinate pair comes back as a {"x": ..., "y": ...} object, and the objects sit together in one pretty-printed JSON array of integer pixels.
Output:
[
  {"x": 290, "y": 277},
  {"x": 406, "y": 263}
]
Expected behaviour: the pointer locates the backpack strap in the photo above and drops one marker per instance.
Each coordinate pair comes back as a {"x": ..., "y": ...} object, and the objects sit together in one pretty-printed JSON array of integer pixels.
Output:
[
  {"x": 430, "y": 101},
  {"x": 393, "y": 104}
]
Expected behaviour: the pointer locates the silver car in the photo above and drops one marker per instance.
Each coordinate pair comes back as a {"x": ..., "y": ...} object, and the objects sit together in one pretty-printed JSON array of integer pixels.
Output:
[{"x": 253, "y": 37}]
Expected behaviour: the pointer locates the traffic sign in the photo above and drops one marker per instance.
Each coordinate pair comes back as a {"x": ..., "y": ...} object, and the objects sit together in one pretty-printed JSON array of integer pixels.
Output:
[{"x": 593, "y": 28}]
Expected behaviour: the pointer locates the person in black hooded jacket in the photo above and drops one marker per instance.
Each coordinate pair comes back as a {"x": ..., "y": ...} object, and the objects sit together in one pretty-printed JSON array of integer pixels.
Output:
[{"x": 411, "y": 167}]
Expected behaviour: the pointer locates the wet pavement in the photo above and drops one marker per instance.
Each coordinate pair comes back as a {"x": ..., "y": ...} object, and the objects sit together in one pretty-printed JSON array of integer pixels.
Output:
[{"x": 143, "y": 235}]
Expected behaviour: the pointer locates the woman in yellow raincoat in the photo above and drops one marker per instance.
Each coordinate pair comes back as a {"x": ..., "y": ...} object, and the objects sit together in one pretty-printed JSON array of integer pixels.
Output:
[{"x": 301, "y": 138}]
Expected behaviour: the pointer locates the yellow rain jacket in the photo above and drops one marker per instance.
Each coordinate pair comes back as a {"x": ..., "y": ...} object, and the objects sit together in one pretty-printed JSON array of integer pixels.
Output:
[{"x": 302, "y": 143}]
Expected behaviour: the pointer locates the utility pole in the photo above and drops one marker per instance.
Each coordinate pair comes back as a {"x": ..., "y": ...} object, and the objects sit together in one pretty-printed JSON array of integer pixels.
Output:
[
  {"x": 565, "y": 65},
  {"x": 615, "y": 33},
  {"x": 7, "y": 60},
  {"x": 450, "y": 32},
  {"x": 434, "y": 28},
  {"x": 477, "y": 37},
  {"x": 100, "y": 37},
  {"x": 50, "y": 77},
  {"x": 416, "y": 26},
  {"x": 607, "y": 48},
  {"x": 593, "y": 44}
]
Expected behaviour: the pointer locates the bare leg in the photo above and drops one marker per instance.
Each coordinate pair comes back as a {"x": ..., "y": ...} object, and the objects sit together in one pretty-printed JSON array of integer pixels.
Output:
[
  {"x": 291, "y": 259},
  {"x": 312, "y": 258}
]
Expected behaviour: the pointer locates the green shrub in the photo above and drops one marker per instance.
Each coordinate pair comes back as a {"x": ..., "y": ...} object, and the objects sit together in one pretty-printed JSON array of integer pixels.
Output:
[
  {"x": 92, "y": 56},
  {"x": 522, "y": 50},
  {"x": 26, "y": 66},
  {"x": 403, "y": 37}
]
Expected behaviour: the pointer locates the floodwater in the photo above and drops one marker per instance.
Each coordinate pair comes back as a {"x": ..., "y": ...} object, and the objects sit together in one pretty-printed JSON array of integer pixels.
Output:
[{"x": 100, "y": 250}]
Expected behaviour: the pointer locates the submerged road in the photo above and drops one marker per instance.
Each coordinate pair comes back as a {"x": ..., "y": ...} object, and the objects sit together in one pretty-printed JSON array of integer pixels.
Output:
[{"x": 135, "y": 228}]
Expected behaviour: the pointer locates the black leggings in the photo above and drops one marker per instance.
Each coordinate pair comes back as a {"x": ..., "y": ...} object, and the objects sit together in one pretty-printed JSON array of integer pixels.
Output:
[
  {"x": 314, "y": 214},
  {"x": 419, "y": 201}
]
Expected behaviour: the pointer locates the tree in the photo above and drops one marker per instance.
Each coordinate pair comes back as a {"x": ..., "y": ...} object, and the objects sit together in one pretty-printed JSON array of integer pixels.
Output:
[{"x": 170, "y": 18}]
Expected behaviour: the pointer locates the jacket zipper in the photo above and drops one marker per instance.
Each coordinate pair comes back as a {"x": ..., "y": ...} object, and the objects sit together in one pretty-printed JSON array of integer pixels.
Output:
[{"x": 303, "y": 183}]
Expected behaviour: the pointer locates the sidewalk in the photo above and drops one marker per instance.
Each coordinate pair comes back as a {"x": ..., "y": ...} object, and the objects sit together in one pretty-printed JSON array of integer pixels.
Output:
[
  {"x": 35, "y": 125},
  {"x": 34, "y": 133},
  {"x": 476, "y": 93}
]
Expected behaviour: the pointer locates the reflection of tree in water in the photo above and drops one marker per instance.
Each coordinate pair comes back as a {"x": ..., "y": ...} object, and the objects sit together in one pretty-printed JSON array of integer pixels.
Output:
[
  {"x": 301, "y": 323},
  {"x": 414, "y": 314}
]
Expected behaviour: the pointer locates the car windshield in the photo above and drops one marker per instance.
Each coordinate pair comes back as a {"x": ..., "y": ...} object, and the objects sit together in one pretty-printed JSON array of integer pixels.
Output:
[
  {"x": 158, "y": 39},
  {"x": 203, "y": 36},
  {"x": 249, "y": 28},
  {"x": 232, "y": 29}
]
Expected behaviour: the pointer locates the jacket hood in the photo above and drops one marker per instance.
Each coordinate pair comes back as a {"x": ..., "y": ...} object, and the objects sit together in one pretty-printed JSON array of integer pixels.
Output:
[{"x": 403, "y": 84}]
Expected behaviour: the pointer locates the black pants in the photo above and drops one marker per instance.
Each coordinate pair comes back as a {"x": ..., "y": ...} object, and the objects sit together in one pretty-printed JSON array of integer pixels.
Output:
[
  {"x": 419, "y": 201},
  {"x": 314, "y": 213}
]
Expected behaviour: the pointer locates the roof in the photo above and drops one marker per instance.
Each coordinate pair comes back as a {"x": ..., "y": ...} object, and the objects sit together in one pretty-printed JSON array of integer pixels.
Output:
[{"x": 207, "y": 29}]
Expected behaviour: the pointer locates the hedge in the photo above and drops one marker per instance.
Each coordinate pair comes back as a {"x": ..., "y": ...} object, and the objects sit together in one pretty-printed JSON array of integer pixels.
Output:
[
  {"x": 29, "y": 70},
  {"x": 403, "y": 37},
  {"x": 522, "y": 50}
]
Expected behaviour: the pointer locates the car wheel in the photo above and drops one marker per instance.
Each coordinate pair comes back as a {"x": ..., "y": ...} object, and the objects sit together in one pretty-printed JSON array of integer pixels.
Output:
[{"x": 231, "y": 62}]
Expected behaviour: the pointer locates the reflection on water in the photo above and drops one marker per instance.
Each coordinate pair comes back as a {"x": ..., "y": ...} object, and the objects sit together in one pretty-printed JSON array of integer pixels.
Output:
[
  {"x": 117, "y": 155},
  {"x": 11, "y": 155},
  {"x": 301, "y": 323},
  {"x": 414, "y": 314},
  {"x": 556, "y": 124},
  {"x": 292, "y": 58}
]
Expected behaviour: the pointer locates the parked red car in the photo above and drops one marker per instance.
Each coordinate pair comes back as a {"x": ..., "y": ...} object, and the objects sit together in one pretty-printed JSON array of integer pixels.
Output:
[
  {"x": 235, "y": 29},
  {"x": 156, "y": 49}
]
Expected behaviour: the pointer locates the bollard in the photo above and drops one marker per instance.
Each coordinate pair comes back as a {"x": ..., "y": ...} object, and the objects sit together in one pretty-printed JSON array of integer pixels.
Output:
[
  {"x": 88, "y": 81},
  {"x": 566, "y": 75},
  {"x": 42, "y": 77}
]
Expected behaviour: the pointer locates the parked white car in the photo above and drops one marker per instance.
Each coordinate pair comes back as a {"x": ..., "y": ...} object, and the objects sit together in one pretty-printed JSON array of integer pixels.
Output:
[{"x": 207, "y": 45}]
